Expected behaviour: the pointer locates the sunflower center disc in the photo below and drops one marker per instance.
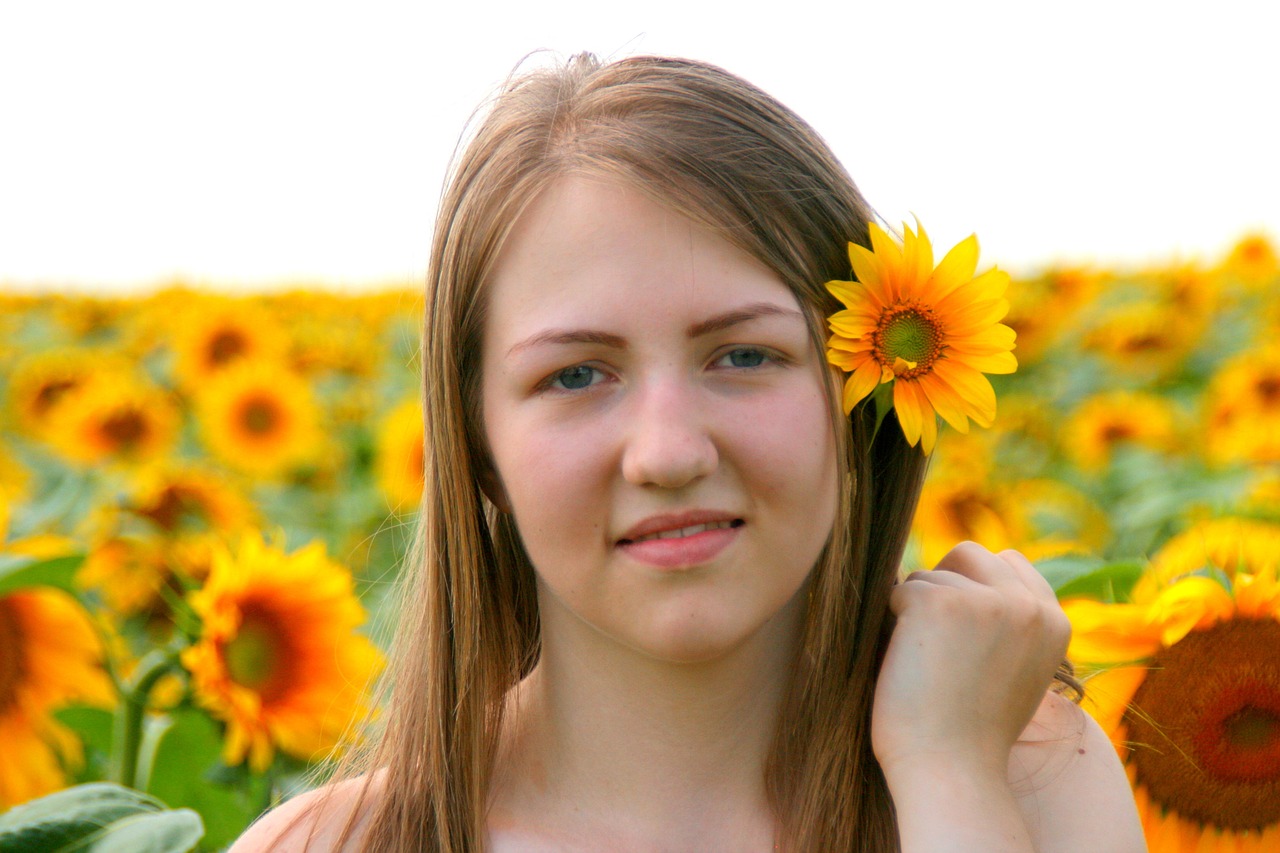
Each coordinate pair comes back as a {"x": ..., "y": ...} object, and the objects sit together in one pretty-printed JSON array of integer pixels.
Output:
[
  {"x": 253, "y": 656},
  {"x": 1205, "y": 725},
  {"x": 1268, "y": 389},
  {"x": 11, "y": 640},
  {"x": 909, "y": 332},
  {"x": 225, "y": 346},
  {"x": 125, "y": 429},
  {"x": 260, "y": 417}
]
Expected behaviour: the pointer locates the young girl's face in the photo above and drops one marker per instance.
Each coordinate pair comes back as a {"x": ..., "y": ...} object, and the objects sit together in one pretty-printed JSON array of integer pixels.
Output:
[{"x": 657, "y": 417}]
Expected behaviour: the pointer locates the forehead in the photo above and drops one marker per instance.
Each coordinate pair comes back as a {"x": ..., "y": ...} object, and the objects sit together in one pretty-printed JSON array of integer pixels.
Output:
[{"x": 587, "y": 247}]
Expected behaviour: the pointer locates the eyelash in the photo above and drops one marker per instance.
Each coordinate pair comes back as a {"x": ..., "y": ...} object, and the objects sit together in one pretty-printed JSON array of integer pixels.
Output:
[{"x": 767, "y": 358}]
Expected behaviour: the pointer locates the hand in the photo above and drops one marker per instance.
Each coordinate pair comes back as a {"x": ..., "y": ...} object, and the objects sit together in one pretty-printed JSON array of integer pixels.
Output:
[{"x": 975, "y": 647}]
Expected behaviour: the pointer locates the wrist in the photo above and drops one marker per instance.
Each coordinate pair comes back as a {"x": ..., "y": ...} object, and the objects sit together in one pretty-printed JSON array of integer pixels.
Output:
[
  {"x": 925, "y": 768},
  {"x": 949, "y": 802}
]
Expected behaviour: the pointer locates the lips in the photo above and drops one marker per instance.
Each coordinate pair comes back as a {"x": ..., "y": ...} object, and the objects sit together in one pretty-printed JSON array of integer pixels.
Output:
[
  {"x": 682, "y": 540},
  {"x": 680, "y": 525}
]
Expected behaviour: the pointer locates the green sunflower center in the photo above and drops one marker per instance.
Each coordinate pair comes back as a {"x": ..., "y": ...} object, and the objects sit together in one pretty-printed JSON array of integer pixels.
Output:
[
  {"x": 260, "y": 416},
  {"x": 1205, "y": 725},
  {"x": 11, "y": 662},
  {"x": 908, "y": 339},
  {"x": 256, "y": 657}
]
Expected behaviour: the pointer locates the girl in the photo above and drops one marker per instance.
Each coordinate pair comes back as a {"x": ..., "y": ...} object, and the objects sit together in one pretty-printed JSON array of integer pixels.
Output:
[{"x": 654, "y": 601}]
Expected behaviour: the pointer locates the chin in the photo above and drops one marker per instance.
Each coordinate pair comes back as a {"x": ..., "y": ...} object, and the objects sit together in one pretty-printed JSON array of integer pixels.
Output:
[{"x": 704, "y": 638}]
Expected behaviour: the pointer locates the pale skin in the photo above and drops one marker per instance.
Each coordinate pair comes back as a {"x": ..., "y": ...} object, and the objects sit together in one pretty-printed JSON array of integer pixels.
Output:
[{"x": 637, "y": 368}]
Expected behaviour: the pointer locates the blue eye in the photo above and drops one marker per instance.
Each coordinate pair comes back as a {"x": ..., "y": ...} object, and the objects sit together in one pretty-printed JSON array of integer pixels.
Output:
[
  {"x": 746, "y": 357},
  {"x": 575, "y": 378}
]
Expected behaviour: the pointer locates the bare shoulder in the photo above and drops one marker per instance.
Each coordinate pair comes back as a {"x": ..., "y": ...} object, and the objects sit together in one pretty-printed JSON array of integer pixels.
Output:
[
  {"x": 314, "y": 821},
  {"x": 1070, "y": 784}
]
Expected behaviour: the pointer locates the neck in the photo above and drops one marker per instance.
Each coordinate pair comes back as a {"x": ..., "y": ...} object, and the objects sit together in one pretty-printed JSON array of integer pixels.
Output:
[{"x": 664, "y": 754}]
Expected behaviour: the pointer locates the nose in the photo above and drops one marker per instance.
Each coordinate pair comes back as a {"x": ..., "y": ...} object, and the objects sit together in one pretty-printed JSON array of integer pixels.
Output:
[{"x": 668, "y": 444}]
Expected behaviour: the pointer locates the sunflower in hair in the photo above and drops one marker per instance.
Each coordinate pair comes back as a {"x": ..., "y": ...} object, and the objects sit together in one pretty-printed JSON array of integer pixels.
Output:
[{"x": 929, "y": 332}]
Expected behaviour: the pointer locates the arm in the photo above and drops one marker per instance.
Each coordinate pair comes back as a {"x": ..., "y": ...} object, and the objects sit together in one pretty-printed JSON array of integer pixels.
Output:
[{"x": 972, "y": 654}]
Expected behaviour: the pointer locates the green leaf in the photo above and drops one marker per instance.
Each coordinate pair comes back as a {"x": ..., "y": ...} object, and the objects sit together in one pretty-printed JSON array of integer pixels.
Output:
[
  {"x": 175, "y": 831},
  {"x": 1111, "y": 583},
  {"x": 95, "y": 726},
  {"x": 1060, "y": 571},
  {"x": 883, "y": 397},
  {"x": 20, "y": 572},
  {"x": 1080, "y": 575},
  {"x": 187, "y": 772},
  {"x": 98, "y": 818}
]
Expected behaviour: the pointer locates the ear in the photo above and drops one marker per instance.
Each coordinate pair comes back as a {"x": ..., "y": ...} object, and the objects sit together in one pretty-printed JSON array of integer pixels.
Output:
[{"x": 491, "y": 486}]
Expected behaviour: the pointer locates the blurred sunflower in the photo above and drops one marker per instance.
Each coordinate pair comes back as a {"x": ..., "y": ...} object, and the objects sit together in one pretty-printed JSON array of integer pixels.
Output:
[
  {"x": 1225, "y": 546},
  {"x": 1185, "y": 288},
  {"x": 15, "y": 480},
  {"x": 1243, "y": 408},
  {"x": 1058, "y": 519},
  {"x": 279, "y": 659},
  {"x": 117, "y": 420},
  {"x": 1253, "y": 260},
  {"x": 183, "y": 496},
  {"x": 964, "y": 505},
  {"x": 1146, "y": 338},
  {"x": 39, "y": 381},
  {"x": 1104, "y": 421},
  {"x": 217, "y": 332},
  {"x": 129, "y": 573},
  {"x": 1192, "y": 704},
  {"x": 399, "y": 459},
  {"x": 1043, "y": 307},
  {"x": 49, "y": 657},
  {"x": 326, "y": 334},
  {"x": 259, "y": 417},
  {"x": 932, "y": 332}
]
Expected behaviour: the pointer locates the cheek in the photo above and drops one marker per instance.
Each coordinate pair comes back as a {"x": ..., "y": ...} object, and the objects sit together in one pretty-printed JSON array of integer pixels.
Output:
[
  {"x": 554, "y": 482},
  {"x": 793, "y": 450}
]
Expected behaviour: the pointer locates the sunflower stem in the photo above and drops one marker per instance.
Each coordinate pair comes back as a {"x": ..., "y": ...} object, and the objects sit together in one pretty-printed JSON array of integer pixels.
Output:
[{"x": 128, "y": 723}]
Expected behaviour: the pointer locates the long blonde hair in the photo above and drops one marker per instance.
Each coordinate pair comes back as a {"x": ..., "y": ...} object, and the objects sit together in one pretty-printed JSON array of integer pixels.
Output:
[{"x": 730, "y": 157}]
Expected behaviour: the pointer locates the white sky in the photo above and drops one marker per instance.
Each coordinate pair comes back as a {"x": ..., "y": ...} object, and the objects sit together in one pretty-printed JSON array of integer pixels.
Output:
[{"x": 250, "y": 144}]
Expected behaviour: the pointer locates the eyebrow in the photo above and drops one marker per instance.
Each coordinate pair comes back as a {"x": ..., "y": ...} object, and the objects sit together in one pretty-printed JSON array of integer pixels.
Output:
[{"x": 717, "y": 323}]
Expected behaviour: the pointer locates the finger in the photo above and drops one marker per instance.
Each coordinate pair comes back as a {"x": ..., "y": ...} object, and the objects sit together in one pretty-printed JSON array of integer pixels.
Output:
[
  {"x": 1028, "y": 574},
  {"x": 921, "y": 582},
  {"x": 977, "y": 563}
]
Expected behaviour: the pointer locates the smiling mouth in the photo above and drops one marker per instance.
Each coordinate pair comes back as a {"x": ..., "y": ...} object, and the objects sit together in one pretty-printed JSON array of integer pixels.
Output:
[{"x": 682, "y": 532}]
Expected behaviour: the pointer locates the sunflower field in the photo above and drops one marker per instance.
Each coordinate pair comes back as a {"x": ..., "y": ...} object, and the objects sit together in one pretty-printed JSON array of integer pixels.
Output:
[{"x": 204, "y": 498}]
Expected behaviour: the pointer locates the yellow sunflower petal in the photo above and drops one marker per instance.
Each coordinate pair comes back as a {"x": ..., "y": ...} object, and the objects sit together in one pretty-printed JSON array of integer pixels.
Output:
[
  {"x": 1108, "y": 694},
  {"x": 957, "y": 267},
  {"x": 1110, "y": 633},
  {"x": 907, "y": 403},
  {"x": 1257, "y": 596},
  {"x": 1191, "y": 603},
  {"x": 917, "y": 254},
  {"x": 972, "y": 387},
  {"x": 867, "y": 269},
  {"x": 944, "y": 402},
  {"x": 860, "y": 383}
]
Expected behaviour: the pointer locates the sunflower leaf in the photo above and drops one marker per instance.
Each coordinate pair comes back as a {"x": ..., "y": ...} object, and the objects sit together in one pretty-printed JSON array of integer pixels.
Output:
[
  {"x": 98, "y": 818},
  {"x": 1077, "y": 575},
  {"x": 186, "y": 771},
  {"x": 883, "y": 396},
  {"x": 172, "y": 831},
  {"x": 19, "y": 572}
]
